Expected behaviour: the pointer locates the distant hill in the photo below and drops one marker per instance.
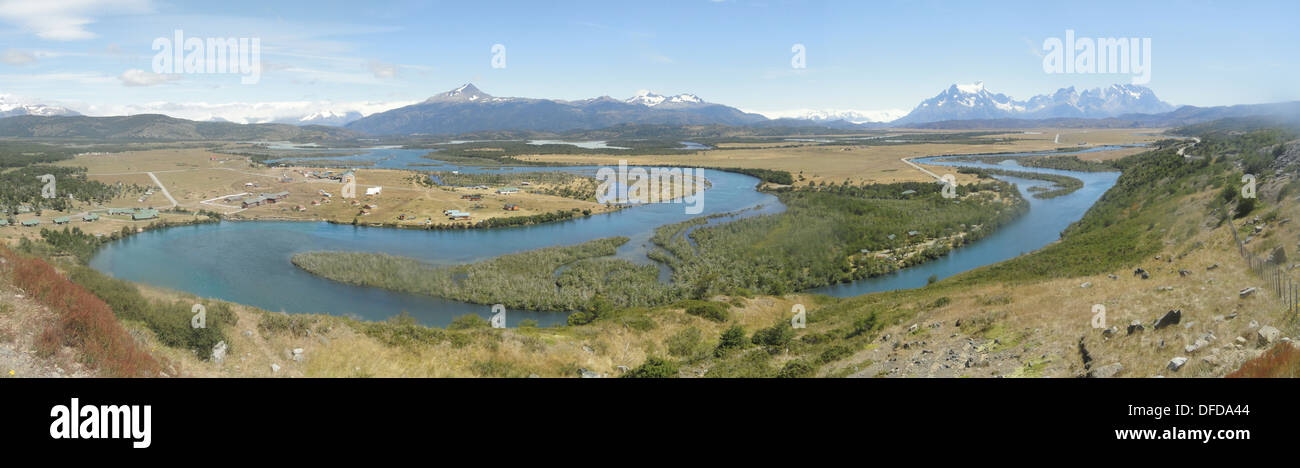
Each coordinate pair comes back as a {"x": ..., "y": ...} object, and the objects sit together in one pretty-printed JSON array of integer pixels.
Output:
[
  {"x": 467, "y": 109},
  {"x": 160, "y": 127},
  {"x": 1186, "y": 115}
]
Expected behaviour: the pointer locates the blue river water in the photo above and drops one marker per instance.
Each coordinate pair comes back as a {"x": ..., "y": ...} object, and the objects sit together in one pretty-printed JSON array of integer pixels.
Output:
[{"x": 248, "y": 262}]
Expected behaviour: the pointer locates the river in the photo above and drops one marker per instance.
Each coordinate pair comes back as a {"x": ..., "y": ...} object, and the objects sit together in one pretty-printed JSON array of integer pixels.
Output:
[{"x": 247, "y": 262}]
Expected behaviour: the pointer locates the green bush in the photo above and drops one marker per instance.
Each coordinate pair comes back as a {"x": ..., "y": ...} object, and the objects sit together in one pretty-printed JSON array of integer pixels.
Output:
[
  {"x": 732, "y": 338},
  {"x": 774, "y": 336},
  {"x": 654, "y": 368},
  {"x": 795, "y": 369},
  {"x": 714, "y": 311},
  {"x": 170, "y": 322},
  {"x": 687, "y": 344},
  {"x": 468, "y": 322}
]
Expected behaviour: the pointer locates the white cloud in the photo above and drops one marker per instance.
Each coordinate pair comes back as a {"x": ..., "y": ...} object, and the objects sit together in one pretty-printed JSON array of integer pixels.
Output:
[
  {"x": 138, "y": 77},
  {"x": 17, "y": 57},
  {"x": 64, "y": 20},
  {"x": 382, "y": 70}
]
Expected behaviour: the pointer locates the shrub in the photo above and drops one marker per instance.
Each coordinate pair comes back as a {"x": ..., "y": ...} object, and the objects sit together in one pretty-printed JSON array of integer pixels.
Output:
[
  {"x": 774, "y": 336},
  {"x": 654, "y": 368},
  {"x": 170, "y": 322},
  {"x": 714, "y": 311},
  {"x": 732, "y": 338},
  {"x": 83, "y": 321},
  {"x": 795, "y": 369},
  {"x": 468, "y": 322},
  {"x": 688, "y": 343}
]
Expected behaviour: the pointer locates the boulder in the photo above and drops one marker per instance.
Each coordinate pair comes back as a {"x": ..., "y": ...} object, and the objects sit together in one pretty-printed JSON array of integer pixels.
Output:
[
  {"x": 1107, "y": 371},
  {"x": 1268, "y": 334},
  {"x": 1177, "y": 363},
  {"x": 1135, "y": 326},
  {"x": 275, "y": 368},
  {"x": 1170, "y": 318},
  {"x": 1086, "y": 285},
  {"x": 586, "y": 374},
  {"x": 219, "y": 352},
  {"x": 1247, "y": 292}
]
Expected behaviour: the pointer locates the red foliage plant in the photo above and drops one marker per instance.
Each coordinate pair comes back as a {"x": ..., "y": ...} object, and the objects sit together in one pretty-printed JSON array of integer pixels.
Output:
[
  {"x": 1283, "y": 360},
  {"x": 83, "y": 321}
]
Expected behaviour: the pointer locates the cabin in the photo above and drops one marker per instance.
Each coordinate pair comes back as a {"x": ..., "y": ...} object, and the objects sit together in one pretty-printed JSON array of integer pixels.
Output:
[
  {"x": 24, "y": 209},
  {"x": 471, "y": 197},
  {"x": 253, "y": 201},
  {"x": 274, "y": 197},
  {"x": 912, "y": 233},
  {"x": 90, "y": 217},
  {"x": 507, "y": 191},
  {"x": 461, "y": 217},
  {"x": 32, "y": 222},
  {"x": 511, "y": 207},
  {"x": 4, "y": 222},
  {"x": 144, "y": 214},
  {"x": 62, "y": 220},
  {"x": 374, "y": 191},
  {"x": 908, "y": 192},
  {"x": 121, "y": 211}
]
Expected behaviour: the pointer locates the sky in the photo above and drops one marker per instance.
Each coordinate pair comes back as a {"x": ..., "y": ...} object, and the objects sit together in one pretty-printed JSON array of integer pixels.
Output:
[{"x": 98, "y": 57}]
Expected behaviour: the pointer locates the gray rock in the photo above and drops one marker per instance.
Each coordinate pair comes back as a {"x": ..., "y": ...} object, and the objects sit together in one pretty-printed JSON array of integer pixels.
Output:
[
  {"x": 248, "y": 333},
  {"x": 1086, "y": 284},
  {"x": 275, "y": 368},
  {"x": 1107, "y": 371},
  {"x": 586, "y": 374},
  {"x": 1177, "y": 363},
  {"x": 1268, "y": 334},
  {"x": 297, "y": 354},
  {"x": 1247, "y": 292},
  {"x": 219, "y": 352}
]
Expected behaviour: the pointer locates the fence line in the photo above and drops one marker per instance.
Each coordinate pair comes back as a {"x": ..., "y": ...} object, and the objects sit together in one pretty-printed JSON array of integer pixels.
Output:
[{"x": 1287, "y": 290}]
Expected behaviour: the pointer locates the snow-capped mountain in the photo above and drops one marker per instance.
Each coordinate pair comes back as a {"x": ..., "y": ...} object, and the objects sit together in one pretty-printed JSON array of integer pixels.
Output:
[
  {"x": 466, "y": 93},
  {"x": 649, "y": 99},
  {"x": 467, "y": 109},
  {"x": 974, "y": 101},
  {"x": 832, "y": 115},
  {"x": 329, "y": 117},
  {"x": 11, "y": 106}
]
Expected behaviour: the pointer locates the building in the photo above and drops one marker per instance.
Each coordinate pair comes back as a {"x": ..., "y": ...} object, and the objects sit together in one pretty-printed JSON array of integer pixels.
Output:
[
  {"x": 471, "y": 197},
  {"x": 32, "y": 222},
  {"x": 62, "y": 220},
  {"x": 252, "y": 201},
  {"x": 4, "y": 222},
  {"x": 374, "y": 191},
  {"x": 144, "y": 214},
  {"x": 121, "y": 211},
  {"x": 510, "y": 207},
  {"x": 507, "y": 190},
  {"x": 90, "y": 217}
]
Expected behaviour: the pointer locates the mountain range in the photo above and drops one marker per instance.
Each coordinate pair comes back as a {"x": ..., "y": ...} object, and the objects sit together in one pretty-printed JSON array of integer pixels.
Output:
[
  {"x": 468, "y": 109},
  {"x": 9, "y": 107},
  {"x": 975, "y": 102}
]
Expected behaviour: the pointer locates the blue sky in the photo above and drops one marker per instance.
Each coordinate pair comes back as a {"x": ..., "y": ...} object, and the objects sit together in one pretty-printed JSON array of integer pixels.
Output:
[{"x": 868, "y": 55}]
